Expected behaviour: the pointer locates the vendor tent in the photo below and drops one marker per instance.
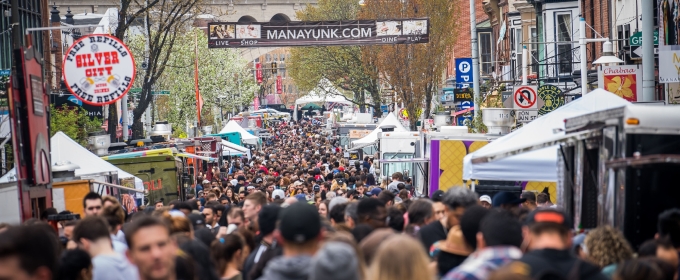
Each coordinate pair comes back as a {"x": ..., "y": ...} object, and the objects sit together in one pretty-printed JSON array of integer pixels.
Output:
[
  {"x": 64, "y": 149},
  {"x": 539, "y": 165},
  {"x": 231, "y": 149},
  {"x": 324, "y": 92},
  {"x": 246, "y": 137},
  {"x": 391, "y": 119}
]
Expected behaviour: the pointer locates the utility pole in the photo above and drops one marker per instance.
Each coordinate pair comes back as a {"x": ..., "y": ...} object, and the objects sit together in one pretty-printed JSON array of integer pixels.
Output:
[
  {"x": 475, "y": 56},
  {"x": 648, "y": 77}
]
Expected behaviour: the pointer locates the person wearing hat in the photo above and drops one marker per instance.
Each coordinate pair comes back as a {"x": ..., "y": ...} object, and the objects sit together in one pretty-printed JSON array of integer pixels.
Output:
[
  {"x": 374, "y": 192},
  {"x": 451, "y": 252},
  {"x": 485, "y": 201},
  {"x": 299, "y": 233},
  {"x": 335, "y": 261},
  {"x": 498, "y": 241},
  {"x": 507, "y": 200},
  {"x": 549, "y": 238}
]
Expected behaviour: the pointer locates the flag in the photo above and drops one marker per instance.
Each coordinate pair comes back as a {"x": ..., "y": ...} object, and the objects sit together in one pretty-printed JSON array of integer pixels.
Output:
[
  {"x": 279, "y": 85},
  {"x": 256, "y": 104},
  {"x": 199, "y": 98},
  {"x": 258, "y": 72}
]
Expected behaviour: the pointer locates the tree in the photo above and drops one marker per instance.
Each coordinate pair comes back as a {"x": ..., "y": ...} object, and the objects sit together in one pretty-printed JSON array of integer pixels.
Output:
[
  {"x": 225, "y": 81},
  {"x": 74, "y": 122},
  {"x": 414, "y": 71},
  {"x": 344, "y": 66}
]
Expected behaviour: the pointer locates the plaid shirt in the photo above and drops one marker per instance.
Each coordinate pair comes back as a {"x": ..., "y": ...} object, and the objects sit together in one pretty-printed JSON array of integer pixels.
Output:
[{"x": 481, "y": 263}]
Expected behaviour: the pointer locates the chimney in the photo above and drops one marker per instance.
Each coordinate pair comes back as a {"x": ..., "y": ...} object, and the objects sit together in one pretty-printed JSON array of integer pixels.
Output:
[{"x": 69, "y": 17}]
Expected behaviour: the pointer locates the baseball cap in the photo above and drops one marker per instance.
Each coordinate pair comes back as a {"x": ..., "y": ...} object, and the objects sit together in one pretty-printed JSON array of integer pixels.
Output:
[
  {"x": 297, "y": 183},
  {"x": 548, "y": 216},
  {"x": 197, "y": 220},
  {"x": 316, "y": 188},
  {"x": 251, "y": 187},
  {"x": 234, "y": 182},
  {"x": 280, "y": 193},
  {"x": 299, "y": 223},
  {"x": 241, "y": 178},
  {"x": 375, "y": 191},
  {"x": 485, "y": 198},
  {"x": 258, "y": 180},
  {"x": 503, "y": 198},
  {"x": 301, "y": 197},
  {"x": 206, "y": 182},
  {"x": 267, "y": 218},
  {"x": 341, "y": 168},
  {"x": 438, "y": 195}
]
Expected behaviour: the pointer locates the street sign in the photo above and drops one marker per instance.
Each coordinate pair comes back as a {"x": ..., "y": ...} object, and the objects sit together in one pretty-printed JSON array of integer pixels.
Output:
[
  {"x": 552, "y": 98},
  {"x": 463, "y": 71},
  {"x": 636, "y": 52},
  {"x": 135, "y": 90},
  {"x": 525, "y": 97},
  {"x": 507, "y": 99},
  {"x": 525, "y": 116},
  {"x": 465, "y": 105},
  {"x": 160, "y": 92},
  {"x": 385, "y": 109},
  {"x": 464, "y": 120},
  {"x": 463, "y": 94},
  {"x": 5, "y": 72},
  {"x": 636, "y": 38}
]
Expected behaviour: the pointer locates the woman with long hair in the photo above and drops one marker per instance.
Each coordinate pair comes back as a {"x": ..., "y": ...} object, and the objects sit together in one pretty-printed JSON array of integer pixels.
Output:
[
  {"x": 400, "y": 258},
  {"x": 229, "y": 255}
]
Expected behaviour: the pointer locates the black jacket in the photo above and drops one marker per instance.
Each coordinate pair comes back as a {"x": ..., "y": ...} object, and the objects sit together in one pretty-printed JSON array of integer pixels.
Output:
[{"x": 548, "y": 264}]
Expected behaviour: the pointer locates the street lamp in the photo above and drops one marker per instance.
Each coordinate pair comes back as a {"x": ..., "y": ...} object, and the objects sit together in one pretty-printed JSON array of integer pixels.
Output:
[{"x": 584, "y": 59}]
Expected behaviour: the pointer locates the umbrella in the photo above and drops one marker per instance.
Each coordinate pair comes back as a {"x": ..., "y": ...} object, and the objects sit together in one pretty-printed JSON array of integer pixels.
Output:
[{"x": 311, "y": 106}]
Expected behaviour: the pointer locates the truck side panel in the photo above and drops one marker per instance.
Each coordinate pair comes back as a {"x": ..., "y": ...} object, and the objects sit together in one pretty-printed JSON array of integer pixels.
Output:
[
  {"x": 69, "y": 196},
  {"x": 159, "y": 173},
  {"x": 10, "y": 211}
]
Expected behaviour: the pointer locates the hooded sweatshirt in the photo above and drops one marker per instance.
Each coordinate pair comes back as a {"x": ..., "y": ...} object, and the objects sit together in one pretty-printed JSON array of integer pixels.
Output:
[
  {"x": 288, "y": 268},
  {"x": 113, "y": 266}
]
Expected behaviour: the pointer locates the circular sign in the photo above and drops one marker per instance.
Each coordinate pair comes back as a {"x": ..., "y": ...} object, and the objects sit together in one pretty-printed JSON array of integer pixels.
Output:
[
  {"x": 464, "y": 67},
  {"x": 525, "y": 97},
  {"x": 552, "y": 96},
  {"x": 99, "y": 69}
]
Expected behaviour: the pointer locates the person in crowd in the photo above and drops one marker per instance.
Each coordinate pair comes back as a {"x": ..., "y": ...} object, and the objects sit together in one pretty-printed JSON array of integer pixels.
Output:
[
  {"x": 485, "y": 201},
  {"x": 548, "y": 238},
  {"x": 391, "y": 257},
  {"x": 74, "y": 264},
  {"x": 439, "y": 208},
  {"x": 336, "y": 261},
  {"x": 323, "y": 208},
  {"x": 299, "y": 233},
  {"x": 498, "y": 243},
  {"x": 210, "y": 214},
  {"x": 529, "y": 200},
  {"x": 452, "y": 252},
  {"x": 267, "y": 223},
  {"x": 93, "y": 235},
  {"x": 507, "y": 200},
  {"x": 372, "y": 213},
  {"x": 397, "y": 178},
  {"x": 637, "y": 269},
  {"x": 456, "y": 200},
  {"x": 420, "y": 213},
  {"x": 227, "y": 251},
  {"x": 115, "y": 217},
  {"x": 396, "y": 219},
  {"x": 387, "y": 198},
  {"x": 252, "y": 205},
  {"x": 607, "y": 247},
  {"x": 543, "y": 200},
  {"x": 151, "y": 249},
  {"x": 236, "y": 217},
  {"x": 668, "y": 226},
  {"x": 92, "y": 204},
  {"x": 29, "y": 252}
]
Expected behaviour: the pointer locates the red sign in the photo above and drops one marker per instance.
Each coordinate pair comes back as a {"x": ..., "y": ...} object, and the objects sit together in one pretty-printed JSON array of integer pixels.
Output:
[
  {"x": 279, "y": 85},
  {"x": 99, "y": 69},
  {"x": 258, "y": 72}
]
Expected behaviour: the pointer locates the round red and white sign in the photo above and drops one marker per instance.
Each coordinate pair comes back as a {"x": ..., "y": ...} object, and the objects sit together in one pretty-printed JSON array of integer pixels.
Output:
[{"x": 99, "y": 69}]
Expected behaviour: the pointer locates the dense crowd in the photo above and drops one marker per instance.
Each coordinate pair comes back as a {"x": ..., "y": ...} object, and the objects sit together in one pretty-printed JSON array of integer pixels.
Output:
[{"x": 298, "y": 209}]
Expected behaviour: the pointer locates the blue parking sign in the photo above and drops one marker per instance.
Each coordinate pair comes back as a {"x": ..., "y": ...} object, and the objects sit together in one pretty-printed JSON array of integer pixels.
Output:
[{"x": 463, "y": 71}]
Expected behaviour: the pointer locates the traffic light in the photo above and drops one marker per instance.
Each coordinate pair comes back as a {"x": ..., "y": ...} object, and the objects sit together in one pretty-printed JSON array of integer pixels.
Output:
[{"x": 274, "y": 68}]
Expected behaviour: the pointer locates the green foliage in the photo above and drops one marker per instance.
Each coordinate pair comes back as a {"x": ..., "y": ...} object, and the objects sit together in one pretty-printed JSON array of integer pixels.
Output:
[
  {"x": 225, "y": 80},
  {"x": 75, "y": 123}
]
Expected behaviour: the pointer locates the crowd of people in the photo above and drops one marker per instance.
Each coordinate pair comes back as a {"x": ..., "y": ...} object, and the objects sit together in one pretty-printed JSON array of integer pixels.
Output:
[{"x": 299, "y": 210}]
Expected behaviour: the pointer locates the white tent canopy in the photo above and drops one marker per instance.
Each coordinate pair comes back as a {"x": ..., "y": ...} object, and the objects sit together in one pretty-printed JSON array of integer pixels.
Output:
[
  {"x": 539, "y": 165},
  {"x": 64, "y": 149},
  {"x": 391, "y": 119},
  {"x": 324, "y": 92},
  {"x": 246, "y": 137},
  {"x": 231, "y": 149}
]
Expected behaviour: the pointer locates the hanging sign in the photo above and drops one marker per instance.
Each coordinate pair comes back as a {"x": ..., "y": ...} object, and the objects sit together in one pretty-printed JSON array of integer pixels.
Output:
[
  {"x": 279, "y": 85},
  {"x": 669, "y": 64},
  {"x": 258, "y": 72},
  {"x": 622, "y": 80},
  {"x": 552, "y": 98},
  {"x": 525, "y": 97},
  {"x": 318, "y": 33},
  {"x": 99, "y": 69}
]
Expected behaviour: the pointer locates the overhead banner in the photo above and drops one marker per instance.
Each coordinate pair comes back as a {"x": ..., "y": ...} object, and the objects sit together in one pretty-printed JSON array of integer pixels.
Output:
[
  {"x": 318, "y": 33},
  {"x": 99, "y": 69}
]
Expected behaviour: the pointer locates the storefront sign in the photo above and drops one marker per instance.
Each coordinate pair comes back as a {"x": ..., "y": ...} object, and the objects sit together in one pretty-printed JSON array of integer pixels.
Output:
[
  {"x": 99, "y": 69},
  {"x": 669, "y": 64},
  {"x": 279, "y": 85},
  {"x": 358, "y": 134},
  {"x": 318, "y": 33},
  {"x": 622, "y": 80}
]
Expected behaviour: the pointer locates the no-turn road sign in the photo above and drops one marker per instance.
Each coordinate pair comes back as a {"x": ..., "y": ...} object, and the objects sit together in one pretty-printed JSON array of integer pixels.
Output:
[{"x": 525, "y": 97}]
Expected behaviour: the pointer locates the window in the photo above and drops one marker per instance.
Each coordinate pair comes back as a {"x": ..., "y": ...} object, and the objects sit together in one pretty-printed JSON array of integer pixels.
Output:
[
  {"x": 534, "y": 50},
  {"x": 276, "y": 57},
  {"x": 485, "y": 51},
  {"x": 257, "y": 60},
  {"x": 564, "y": 50},
  {"x": 516, "y": 45},
  {"x": 269, "y": 57}
]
